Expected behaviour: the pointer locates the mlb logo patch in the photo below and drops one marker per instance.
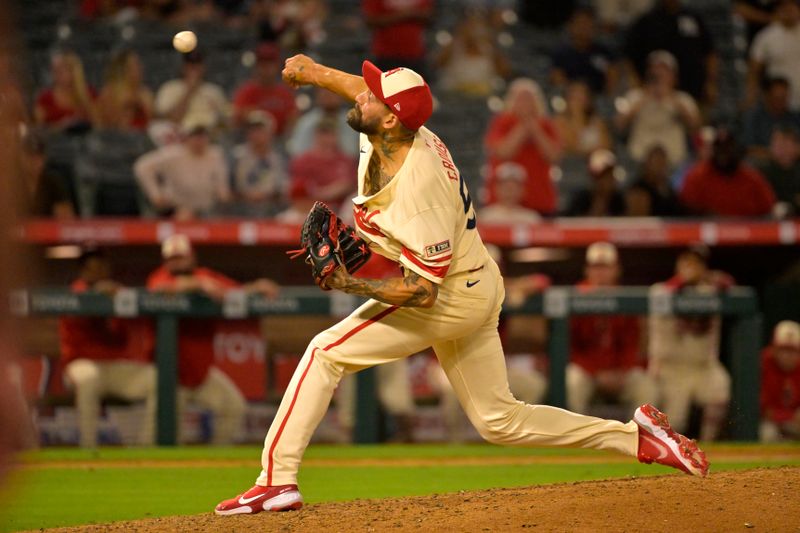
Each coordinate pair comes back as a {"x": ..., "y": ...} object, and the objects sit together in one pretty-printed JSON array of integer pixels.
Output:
[{"x": 436, "y": 249}]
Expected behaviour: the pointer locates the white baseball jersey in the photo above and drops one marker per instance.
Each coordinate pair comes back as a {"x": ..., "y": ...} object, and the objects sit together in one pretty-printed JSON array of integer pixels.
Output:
[{"x": 423, "y": 218}]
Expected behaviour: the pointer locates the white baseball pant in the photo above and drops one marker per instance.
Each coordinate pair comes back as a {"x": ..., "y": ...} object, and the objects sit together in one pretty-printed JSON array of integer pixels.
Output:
[
  {"x": 95, "y": 380},
  {"x": 462, "y": 328},
  {"x": 220, "y": 395},
  {"x": 639, "y": 388}
]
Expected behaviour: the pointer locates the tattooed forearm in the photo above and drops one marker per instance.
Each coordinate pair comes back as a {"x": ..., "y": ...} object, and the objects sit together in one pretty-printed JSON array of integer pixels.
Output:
[{"x": 411, "y": 291}]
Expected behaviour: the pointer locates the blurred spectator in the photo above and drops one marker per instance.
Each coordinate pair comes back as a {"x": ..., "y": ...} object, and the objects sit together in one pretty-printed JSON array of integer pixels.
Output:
[
  {"x": 471, "y": 63},
  {"x": 658, "y": 113},
  {"x": 780, "y": 384},
  {"x": 68, "y": 104},
  {"x": 171, "y": 11},
  {"x": 684, "y": 350},
  {"x": 776, "y": 53},
  {"x": 185, "y": 180},
  {"x": 604, "y": 349},
  {"x": 725, "y": 185},
  {"x": 190, "y": 97},
  {"x": 546, "y": 13},
  {"x": 507, "y": 208},
  {"x": 265, "y": 92},
  {"x": 42, "y": 193},
  {"x": 683, "y": 33},
  {"x": 293, "y": 24},
  {"x": 619, "y": 14},
  {"x": 125, "y": 102},
  {"x": 260, "y": 180},
  {"x": 115, "y": 10},
  {"x": 581, "y": 129},
  {"x": 756, "y": 14},
  {"x": 524, "y": 134},
  {"x": 772, "y": 112},
  {"x": 398, "y": 32},
  {"x": 651, "y": 195},
  {"x": 327, "y": 105},
  {"x": 324, "y": 172},
  {"x": 202, "y": 383},
  {"x": 583, "y": 58},
  {"x": 603, "y": 198},
  {"x": 782, "y": 170},
  {"x": 106, "y": 356}
]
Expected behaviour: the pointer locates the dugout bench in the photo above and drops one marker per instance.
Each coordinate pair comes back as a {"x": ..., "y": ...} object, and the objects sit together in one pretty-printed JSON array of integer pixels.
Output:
[{"x": 738, "y": 304}]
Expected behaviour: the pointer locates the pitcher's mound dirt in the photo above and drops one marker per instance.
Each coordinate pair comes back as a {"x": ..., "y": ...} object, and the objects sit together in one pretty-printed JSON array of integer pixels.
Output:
[{"x": 761, "y": 499}]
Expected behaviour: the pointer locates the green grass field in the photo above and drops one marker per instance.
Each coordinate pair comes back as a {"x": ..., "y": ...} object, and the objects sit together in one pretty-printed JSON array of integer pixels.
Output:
[{"x": 61, "y": 487}]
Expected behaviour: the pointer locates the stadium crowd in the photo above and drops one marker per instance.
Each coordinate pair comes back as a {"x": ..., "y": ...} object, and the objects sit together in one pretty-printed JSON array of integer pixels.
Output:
[
  {"x": 658, "y": 99},
  {"x": 584, "y": 109}
]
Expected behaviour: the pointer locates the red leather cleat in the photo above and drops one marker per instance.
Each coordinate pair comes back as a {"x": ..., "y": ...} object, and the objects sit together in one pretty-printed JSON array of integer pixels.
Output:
[
  {"x": 659, "y": 443},
  {"x": 258, "y": 498}
]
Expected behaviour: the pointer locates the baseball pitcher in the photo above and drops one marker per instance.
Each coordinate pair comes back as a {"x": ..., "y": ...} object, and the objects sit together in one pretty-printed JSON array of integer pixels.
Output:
[{"x": 413, "y": 207}]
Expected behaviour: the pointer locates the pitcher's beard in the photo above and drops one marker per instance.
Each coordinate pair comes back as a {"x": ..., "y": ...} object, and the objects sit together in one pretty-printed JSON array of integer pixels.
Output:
[{"x": 355, "y": 121}]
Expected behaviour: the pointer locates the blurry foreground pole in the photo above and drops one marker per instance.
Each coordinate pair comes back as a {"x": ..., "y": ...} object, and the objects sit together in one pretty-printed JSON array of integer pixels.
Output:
[
  {"x": 167, "y": 361},
  {"x": 367, "y": 430},
  {"x": 745, "y": 343}
]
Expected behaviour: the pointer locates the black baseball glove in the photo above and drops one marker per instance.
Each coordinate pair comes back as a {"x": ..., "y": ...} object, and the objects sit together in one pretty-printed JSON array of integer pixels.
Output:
[{"x": 329, "y": 243}]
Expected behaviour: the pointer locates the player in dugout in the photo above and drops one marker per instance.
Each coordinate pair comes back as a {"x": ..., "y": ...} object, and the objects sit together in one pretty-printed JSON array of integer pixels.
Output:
[
  {"x": 604, "y": 349},
  {"x": 106, "y": 357},
  {"x": 413, "y": 206},
  {"x": 780, "y": 384},
  {"x": 202, "y": 383}
]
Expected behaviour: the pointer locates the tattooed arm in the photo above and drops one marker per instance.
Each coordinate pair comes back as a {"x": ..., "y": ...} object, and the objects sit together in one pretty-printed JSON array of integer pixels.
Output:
[
  {"x": 301, "y": 70},
  {"x": 410, "y": 291}
]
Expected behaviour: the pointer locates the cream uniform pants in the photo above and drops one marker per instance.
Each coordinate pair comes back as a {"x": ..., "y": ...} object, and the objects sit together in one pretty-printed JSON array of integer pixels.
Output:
[
  {"x": 462, "y": 329},
  {"x": 95, "y": 380}
]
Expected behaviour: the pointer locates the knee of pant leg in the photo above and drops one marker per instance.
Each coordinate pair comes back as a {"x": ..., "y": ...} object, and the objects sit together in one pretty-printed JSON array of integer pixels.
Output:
[
  {"x": 333, "y": 368},
  {"x": 83, "y": 373},
  {"x": 497, "y": 428}
]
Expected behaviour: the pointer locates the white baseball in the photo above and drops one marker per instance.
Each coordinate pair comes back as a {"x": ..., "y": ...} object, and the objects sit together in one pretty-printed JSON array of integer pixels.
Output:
[{"x": 184, "y": 41}]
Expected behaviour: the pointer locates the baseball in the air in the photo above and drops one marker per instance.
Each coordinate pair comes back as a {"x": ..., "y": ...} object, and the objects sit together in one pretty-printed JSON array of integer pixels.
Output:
[{"x": 184, "y": 41}]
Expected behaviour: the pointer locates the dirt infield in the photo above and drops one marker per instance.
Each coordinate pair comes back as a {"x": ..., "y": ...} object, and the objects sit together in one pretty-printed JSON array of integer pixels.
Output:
[{"x": 761, "y": 499}]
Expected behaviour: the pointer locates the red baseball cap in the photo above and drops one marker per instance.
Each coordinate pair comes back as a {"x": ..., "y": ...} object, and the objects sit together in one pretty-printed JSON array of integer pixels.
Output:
[{"x": 403, "y": 90}]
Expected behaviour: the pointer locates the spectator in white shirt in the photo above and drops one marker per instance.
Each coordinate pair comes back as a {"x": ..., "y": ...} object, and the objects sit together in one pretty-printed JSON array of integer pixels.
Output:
[
  {"x": 187, "y": 179},
  {"x": 776, "y": 53},
  {"x": 190, "y": 96},
  {"x": 260, "y": 178},
  {"x": 658, "y": 113}
]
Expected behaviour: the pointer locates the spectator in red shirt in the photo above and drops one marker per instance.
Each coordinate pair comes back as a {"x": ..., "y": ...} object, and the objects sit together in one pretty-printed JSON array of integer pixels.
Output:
[
  {"x": 780, "y": 384},
  {"x": 200, "y": 381},
  {"x": 524, "y": 134},
  {"x": 265, "y": 92},
  {"x": 106, "y": 356},
  {"x": 398, "y": 32},
  {"x": 604, "y": 349},
  {"x": 726, "y": 186},
  {"x": 69, "y": 104},
  {"x": 324, "y": 172}
]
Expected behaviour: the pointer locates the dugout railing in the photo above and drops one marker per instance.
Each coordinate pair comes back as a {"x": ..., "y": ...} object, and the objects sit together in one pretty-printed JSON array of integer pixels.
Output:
[{"x": 738, "y": 305}]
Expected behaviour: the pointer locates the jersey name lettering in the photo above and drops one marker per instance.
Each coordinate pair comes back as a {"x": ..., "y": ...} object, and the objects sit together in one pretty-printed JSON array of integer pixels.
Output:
[{"x": 444, "y": 155}]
